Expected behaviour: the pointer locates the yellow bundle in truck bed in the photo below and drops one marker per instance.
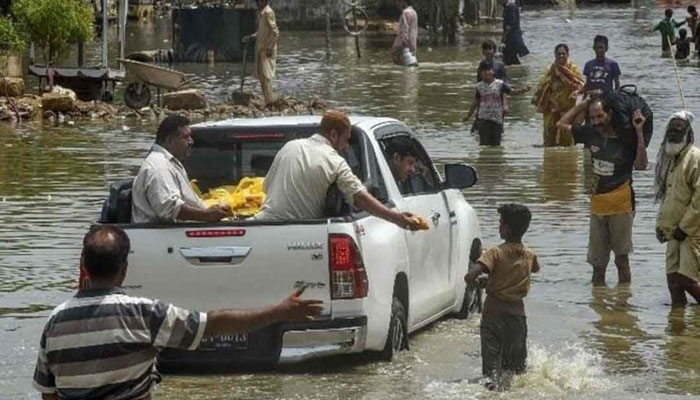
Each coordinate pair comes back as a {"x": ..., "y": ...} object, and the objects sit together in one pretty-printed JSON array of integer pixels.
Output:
[{"x": 245, "y": 199}]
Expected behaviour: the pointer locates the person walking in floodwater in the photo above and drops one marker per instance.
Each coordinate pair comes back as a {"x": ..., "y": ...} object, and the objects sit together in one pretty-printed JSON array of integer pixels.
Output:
[
  {"x": 512, "y": 34},
  {"x": 488, "y": 49},
  {"x": 503, "y": 321},
  {"x": 677, "y": 184},
  {"x": 667, "y": 29},
  {"x": 682, "y": 45},
  {"x": 266, "y": 49},
  {"x": 612, "y": 200},
  {"x": 601, "y": 72},
  {"x": 692, "y": 21},
  {"x": 407, "y": 35},
  {"x": 556, "y": 94},
  {"x": 491, "y": 105}
]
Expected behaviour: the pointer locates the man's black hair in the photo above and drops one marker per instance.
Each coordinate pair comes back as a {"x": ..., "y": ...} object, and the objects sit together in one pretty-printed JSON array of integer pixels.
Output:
[
  {"x": 562, "y": 46},
  {"x": 682, "y": 32},
  {"x": 485, "y": 66},
  {"x": 401, "y": 146},
  {"x": 604, "y": 104},
  {"x": 488, "y": 44},
  {"x": 105, "y": 250},
  {"x": 691, "y": 9},
  {"x": 171, "y": 125},
  {"x": 668, "y": 12},
  {"x": 601, "y": 39},
  {"x": 516, "y": 217}
]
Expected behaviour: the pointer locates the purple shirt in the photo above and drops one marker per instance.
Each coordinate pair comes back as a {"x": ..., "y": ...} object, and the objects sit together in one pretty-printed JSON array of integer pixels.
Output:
[{"x": 601, "y": 74}]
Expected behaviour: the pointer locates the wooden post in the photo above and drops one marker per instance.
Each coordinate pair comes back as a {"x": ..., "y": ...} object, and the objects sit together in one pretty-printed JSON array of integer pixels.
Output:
[
  {"x": 81, "y": 54},
  {"x": 328, "y": 29},
  {"x": 105, "y": 28}
]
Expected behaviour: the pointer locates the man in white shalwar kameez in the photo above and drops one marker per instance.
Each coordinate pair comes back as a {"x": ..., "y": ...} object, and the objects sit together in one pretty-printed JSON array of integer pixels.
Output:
[
  {"x": 266, "y": 49},
  {"x": 678, "y": 223}
]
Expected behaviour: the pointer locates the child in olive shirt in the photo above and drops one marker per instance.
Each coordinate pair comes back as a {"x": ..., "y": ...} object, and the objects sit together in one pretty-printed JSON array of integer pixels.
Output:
[{"x": 503, "y": 323}]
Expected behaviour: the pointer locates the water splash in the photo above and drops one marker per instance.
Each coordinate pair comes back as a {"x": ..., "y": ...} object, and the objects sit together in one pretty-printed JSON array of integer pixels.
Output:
[{"x": 572, "y": 371}]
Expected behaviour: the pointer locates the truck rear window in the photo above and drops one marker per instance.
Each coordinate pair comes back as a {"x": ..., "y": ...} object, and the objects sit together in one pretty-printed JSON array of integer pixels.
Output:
[{"x": 226, "y": 159}]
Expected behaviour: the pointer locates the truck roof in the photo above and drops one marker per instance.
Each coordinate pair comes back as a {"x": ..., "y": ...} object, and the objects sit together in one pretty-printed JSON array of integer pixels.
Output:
[{"x": 357, "y": 120}]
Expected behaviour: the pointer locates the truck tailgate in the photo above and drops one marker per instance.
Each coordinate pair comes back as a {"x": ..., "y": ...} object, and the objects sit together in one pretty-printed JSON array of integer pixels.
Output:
[{"x": 244, "y": 267}]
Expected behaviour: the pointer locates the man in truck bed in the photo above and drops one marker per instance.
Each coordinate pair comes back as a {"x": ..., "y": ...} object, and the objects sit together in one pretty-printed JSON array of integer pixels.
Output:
[
  {"x": 162, "y": 191},
  {"x": 298, "y": 180}
]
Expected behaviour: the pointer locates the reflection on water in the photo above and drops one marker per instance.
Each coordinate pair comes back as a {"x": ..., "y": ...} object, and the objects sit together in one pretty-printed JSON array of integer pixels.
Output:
[
  {"x": 618, "y": 330},
  {"x": 53, "y": 181},
  {"x": 682, "y": 349},
  {"x": 560, "y": 175}
]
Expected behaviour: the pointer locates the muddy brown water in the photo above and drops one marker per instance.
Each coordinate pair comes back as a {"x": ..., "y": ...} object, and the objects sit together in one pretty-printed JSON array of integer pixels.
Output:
[{"x": 585, "y": 343}]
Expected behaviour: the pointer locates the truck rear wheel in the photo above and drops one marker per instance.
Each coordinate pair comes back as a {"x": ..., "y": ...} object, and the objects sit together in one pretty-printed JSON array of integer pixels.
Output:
[{"x": 397, "y": 339}]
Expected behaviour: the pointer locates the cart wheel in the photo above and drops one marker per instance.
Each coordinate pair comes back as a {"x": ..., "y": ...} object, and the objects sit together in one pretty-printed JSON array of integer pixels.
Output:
[
  {"x": 355, "y": 21},
  {"x": 135, "y": 97}
]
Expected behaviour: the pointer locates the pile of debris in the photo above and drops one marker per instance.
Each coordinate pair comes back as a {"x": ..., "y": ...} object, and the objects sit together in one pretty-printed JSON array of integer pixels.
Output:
[{"x": 62, "y": 104}]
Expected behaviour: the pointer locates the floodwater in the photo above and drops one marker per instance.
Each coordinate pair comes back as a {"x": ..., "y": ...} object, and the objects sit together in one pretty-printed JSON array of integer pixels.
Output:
[{"x": 585, "y": 343}]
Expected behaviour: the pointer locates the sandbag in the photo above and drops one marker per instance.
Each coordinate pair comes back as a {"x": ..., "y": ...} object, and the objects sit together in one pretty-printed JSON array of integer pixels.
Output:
[{"x": 623, "y": 103}]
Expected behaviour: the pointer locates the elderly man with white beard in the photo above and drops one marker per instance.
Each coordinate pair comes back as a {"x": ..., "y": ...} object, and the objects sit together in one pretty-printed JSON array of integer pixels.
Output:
[{"x": 677, "y": 186}]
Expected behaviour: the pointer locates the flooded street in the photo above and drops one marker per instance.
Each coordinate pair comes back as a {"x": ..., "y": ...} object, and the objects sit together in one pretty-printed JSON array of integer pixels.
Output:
[{"x": 585, "y": 343}]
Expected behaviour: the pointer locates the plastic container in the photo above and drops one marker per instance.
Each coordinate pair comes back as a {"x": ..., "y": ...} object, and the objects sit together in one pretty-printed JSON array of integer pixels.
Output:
[{"x": 409, "y": 60}]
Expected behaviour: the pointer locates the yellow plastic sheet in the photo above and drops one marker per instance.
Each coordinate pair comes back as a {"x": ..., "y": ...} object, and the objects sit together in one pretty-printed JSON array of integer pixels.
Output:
[{"x": 245, "y": 199}]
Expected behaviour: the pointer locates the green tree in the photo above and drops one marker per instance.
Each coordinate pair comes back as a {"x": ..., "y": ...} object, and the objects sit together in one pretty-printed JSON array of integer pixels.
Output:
[
  {"x": 10, "y": 40},
  {"x": 54, "y": 25}
]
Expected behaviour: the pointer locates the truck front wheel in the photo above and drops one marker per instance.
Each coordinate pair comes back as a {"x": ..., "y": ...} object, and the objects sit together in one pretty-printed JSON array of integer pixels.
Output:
[{"x": 397, "y": 338}]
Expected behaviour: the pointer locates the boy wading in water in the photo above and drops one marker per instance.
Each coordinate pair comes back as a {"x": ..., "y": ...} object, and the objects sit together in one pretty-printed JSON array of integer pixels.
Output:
[
  {"x": 667, "y": 29},
  {"x": 503, "y": 323},
  {"x": 682, "y": 45},
  {"x": 488, "y": 49},
  {"x": 491, "y": 105}
]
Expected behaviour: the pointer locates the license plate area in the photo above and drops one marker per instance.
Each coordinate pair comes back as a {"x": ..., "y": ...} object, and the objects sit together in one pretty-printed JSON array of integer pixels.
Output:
[{"x": 237, "y": 341}]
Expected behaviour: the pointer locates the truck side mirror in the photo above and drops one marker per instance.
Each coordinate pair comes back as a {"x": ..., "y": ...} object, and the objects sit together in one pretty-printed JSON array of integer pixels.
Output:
[{"x": 459, "y": 176}]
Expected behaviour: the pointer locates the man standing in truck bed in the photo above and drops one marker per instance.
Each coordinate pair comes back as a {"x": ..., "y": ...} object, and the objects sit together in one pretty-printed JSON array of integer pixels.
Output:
[{"x": 298, "y": 180}]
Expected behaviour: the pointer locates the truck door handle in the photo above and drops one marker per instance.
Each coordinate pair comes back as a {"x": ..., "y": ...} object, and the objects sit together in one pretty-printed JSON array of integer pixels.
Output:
[
  {"x": 215, "y": 255},
  {"x": 435, "y": 216}
]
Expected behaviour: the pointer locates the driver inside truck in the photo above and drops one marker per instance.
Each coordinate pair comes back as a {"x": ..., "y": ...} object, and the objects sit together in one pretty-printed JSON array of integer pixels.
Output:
[{"x": 401, "y": 157}]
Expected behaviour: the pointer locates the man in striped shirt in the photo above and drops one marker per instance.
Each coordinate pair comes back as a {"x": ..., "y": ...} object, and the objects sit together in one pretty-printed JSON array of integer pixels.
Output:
[{"x": 102, "y": 344}]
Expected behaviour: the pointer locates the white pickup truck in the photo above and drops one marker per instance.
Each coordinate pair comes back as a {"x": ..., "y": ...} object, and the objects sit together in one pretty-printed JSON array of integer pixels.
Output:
[{"x": 378, "y": 282}]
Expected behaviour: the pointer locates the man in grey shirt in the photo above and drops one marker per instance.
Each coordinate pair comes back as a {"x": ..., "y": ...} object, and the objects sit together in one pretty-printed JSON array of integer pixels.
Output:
[
  {"x": 304, "y": 169},
  {"x": 161, "y": 191}
]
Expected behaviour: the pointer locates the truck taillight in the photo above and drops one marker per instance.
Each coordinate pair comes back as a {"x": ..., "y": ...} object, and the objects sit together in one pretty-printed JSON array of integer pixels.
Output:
[{"x": 348, "y": 274}]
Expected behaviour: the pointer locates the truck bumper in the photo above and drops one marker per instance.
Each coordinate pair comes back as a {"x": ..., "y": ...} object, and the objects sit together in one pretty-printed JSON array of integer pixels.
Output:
[
  {"x": 280, "y": 343},
  {"x": 302, "y": 344}
]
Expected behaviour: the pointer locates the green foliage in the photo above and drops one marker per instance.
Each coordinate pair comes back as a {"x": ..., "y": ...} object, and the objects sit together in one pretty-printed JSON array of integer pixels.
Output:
[
  {"x": 9, "y": 37},
  {"x": 54, "y": 25}
]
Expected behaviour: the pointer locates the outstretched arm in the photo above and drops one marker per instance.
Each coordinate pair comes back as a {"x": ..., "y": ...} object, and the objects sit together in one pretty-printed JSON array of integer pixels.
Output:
[
  {"x": 292, "y": 309},
  {"x": 521, "y": 90},
  {"x": 476, "y": 269}
]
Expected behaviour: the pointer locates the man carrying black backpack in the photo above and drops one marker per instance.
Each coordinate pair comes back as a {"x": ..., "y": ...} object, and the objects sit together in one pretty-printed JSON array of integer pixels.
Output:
[{"x": 612, "y": 200}]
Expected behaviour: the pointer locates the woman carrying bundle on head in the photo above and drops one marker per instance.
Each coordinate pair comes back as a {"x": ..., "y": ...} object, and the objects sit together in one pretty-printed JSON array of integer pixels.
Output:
[{"x": 556, "y": 94}]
